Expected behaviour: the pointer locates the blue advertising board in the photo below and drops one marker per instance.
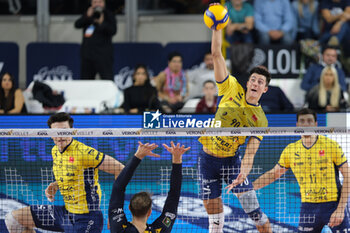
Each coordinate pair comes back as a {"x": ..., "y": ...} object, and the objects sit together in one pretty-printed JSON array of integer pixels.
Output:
[
  {"x": 9, "y": 60},
  {"x": 53, "y": 61}
]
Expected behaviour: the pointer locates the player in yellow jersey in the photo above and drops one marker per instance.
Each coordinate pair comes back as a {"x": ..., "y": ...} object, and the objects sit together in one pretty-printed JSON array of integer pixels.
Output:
[
  {"x": 315, "y": 161},
  {"x": 220, "y": 160},
  {"x": 75, "y": 167}
]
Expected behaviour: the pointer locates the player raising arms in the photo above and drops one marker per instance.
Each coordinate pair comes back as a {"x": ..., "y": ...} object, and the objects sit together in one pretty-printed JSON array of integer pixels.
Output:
[
  {"x": 75, "y": 167},
  {"x": 141, "y": 203},
  {"x": 315, "y": 161},
  {"x": 236, "y": 108}
]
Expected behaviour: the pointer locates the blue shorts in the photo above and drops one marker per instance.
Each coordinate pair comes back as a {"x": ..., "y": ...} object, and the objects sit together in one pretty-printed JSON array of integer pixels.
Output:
[
  {"x": 57, "y": 218},
  {"x": 314, "y": 216},
  {"x": 214, "y": 171}
]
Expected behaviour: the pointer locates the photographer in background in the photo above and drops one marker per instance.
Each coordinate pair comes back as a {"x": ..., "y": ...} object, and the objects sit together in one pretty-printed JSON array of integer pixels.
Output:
[{"x": 99, "y": 25}]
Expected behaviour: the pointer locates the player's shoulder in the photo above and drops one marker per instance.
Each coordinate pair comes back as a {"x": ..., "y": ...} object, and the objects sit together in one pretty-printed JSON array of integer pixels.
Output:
[
  {"x": 327, "y": 141},
  {"x": 294, "y": 145},
  {"x": 261, "y": 118}
]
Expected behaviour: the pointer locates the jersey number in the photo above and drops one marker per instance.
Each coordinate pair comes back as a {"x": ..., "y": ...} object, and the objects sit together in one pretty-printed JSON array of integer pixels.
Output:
[{"x": 235, "y": 123}]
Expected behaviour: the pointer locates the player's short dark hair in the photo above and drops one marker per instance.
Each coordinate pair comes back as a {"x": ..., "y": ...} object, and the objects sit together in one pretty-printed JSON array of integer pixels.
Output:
[
  {"x": 174, "y": 54},
  {"x": 60, "y": 117},
  {"x": 306, "y": 111},
  {"x": 140, "y": 204},
  {"x": 209, "y": 81},
  {"x": 262, "y": 70}
]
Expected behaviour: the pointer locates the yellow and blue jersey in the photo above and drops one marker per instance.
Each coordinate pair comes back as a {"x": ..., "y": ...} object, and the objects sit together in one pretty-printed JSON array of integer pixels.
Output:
[
  {"x": 76, "y": 173},
  {"x": 315, "y": 168},
  {"x": 233, "y": 111}
]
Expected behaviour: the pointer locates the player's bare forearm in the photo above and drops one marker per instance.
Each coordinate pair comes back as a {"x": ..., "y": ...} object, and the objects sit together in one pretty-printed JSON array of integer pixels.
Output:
[
  {"x": 111, "y": 166},
  {"x": 220, "y": 70},
  {"x": 269, "y": 177},
  {"x": 344, "y": 195},
  {"x": 248, "y": 159}
]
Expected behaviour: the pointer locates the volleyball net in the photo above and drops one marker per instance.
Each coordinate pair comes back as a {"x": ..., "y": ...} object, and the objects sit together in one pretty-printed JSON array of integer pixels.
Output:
[{"x": 26, "y": 162}]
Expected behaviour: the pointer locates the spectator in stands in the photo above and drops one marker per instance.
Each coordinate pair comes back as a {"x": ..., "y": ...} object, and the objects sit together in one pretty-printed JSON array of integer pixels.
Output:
[
  {"x": 327, "y": 95},
  {"x": 306, "y": 15},
  {"x": 274, "y": 21},
  {"x": 141, "y": 95},
  {"x": 99, "y": 25},
  {"x": 198, "y": 76},
  {"x": 172, "y": 84},
  {"x": 275, "y": 101},
  {"x": 209, "y": 101},
  {"x": 313, "y": 73},
  {"x": 241, "y": 23},
  {"x": 336, "y": 17},
  {"x": 11, "y": 99}
]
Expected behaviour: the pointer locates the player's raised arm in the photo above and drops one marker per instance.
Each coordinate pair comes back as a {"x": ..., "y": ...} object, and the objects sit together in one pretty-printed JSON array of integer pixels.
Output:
[
  {"x": 220, "y": 69},
  {"x": 116, "y": 214},
  {"x": 171, "y": 203}
]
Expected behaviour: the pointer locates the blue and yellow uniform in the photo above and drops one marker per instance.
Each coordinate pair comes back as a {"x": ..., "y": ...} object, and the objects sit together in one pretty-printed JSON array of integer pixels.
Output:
[
  {"x": 76, "y": 173},
  {"x": 316, "y": 170},
  {"x": 233, "y": 111}
]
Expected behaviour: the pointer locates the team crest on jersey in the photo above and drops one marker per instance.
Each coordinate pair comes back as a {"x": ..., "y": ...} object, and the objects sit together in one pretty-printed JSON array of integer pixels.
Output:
[
  {"x": 71, "y": 159},
  {"x": 321, "y": 153},
  {"x": 254, "y": 118},
  {"x": 166, "y": 221}
]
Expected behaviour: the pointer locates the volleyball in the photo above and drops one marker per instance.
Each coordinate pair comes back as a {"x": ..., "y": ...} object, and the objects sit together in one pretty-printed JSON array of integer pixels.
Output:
[{"x": 216, "y": 17}]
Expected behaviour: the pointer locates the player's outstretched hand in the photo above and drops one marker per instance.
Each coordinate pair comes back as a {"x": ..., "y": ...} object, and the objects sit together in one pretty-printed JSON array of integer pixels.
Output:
[
  {"x": 51, "y": 191},
  {"x": 177, "y": 151},
  {"x": 239, "y": 180},
  {"x": 146, "y": 149},
  {"x": 336, "y": 218}
]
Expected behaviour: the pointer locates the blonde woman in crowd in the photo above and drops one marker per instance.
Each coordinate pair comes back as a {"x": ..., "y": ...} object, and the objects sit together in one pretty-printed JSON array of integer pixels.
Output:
[{"x": 327, "y": 95}]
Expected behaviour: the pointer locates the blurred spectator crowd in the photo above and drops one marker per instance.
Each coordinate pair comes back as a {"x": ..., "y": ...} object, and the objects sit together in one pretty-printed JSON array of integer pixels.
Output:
[{"x": 322, "y": 28}]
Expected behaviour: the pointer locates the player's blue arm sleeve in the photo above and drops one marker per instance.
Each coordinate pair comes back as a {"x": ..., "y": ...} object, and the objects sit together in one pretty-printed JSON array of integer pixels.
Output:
[
  {"x": 116, "y": 214},
  {"x": 166, "y": 220},
  {"x": 173, "y": 198}
]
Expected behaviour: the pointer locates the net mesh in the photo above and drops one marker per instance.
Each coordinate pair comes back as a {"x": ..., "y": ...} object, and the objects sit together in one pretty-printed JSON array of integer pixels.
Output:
[{"x": 26, "y": 171}]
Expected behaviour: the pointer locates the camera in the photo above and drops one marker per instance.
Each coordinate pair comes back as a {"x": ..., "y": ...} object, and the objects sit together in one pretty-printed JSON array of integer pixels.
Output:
[{"x": 97, "y": 12}]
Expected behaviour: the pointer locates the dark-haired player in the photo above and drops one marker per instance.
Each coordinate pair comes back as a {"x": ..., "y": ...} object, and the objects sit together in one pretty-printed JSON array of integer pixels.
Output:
[
  {"x": 315, "y": 161},
  {"x": 141, "y": 203},
  {"x": 236, "y": 108},
  {"x": 75, "y": 167}
]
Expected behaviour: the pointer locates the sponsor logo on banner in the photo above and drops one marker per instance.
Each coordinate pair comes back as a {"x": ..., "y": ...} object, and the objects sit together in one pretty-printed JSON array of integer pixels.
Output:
[
  {"x": 74, "y": 132},
  {"x": 156, "y": 120},
  {"x": 55, "y": 73},
  {"x": 149, "y": 133},
  {"x": 299, "y": 131},
  {"x": 170, "y": 132},
  {"x": 236, "y": 131},
  {"x": 14, "y": 133},
  {"x": 324, "y": 131},
  {"x": 42, "y": 133},
  {"x": 195, "y": 132},
  {"x": 7, "y": 133},
  {"x": 131, "y": 133},
  {"x": 84, "y": 133},
  {"x": 107, "y": 132}
]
